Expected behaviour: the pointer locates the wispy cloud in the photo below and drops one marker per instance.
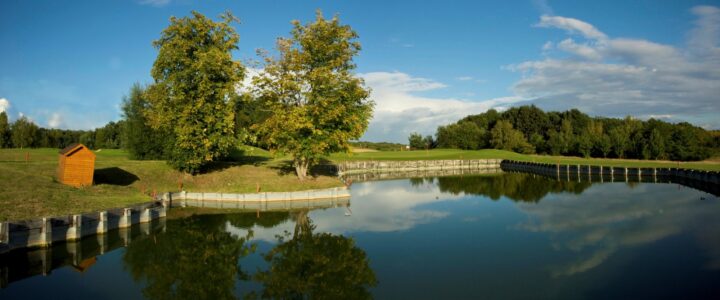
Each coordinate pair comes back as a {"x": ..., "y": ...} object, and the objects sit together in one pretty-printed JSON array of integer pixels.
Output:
[
  {"x": 543, "y": 6},
  {"x": 157, "y": 3},
  {"x": 55, "y": 120},
  {"x": 571, "y": 25},
  {"x": 464, "y": 78}
]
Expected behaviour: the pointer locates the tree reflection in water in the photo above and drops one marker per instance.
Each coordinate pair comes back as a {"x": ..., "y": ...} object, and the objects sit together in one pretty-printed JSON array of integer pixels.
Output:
[
  {"x": 316, "y": 266},
  {"x": 194, "y": 259},
  {"x": 197, "y": 258},
  {"x": 516, "y": 186}
]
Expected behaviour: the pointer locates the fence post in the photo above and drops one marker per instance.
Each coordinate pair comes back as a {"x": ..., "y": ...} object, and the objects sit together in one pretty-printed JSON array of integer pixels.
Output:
[
  {"x": 75, "y": 231},
  {"x": 102, "y": 223},
  {"x": 145, "y": 215},
  {"x": 126, "y": 218},
  {"x": 46, "y": 232}
]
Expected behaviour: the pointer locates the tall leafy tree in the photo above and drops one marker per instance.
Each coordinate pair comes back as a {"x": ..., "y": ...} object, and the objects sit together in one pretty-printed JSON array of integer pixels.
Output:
[
  {"x": 4, "y": 130},
  {"x": 138, "y": 138},
  {"x": 24, "y": 133},
  {"x": 317, "y": 102},
  {"x": 195, "y": 80}
]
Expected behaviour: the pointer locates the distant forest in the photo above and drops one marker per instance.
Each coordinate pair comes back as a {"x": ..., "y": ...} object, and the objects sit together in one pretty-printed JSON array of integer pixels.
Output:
[
  {"x": 23, "y": 133},
  {"x": 525, "y": 129},
  {"x": 528, "y": 129}
]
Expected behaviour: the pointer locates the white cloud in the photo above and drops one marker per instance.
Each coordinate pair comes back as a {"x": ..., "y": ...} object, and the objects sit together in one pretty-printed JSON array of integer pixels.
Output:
[
  {"x": 622, "y": 76},
  {"x": 571, "y": 25},
  {"x": 399, "y": 111},
  {"x": 584, "y": 51},
  {"x": 4, "y": 104},
  {"x": 55, "y": 120},
  {"x": 157, "y": 3},
  {"x": 464, "y": 78}
]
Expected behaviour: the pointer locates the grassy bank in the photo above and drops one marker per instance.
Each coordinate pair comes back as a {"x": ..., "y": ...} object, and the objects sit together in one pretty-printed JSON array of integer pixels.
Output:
[
  {"x": 29, "y": 189},
  {"x": 438, "y": 154}
]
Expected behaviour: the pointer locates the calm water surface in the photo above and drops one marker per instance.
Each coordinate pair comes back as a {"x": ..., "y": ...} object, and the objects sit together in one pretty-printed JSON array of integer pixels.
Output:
[{"x": 509, "y": 236}]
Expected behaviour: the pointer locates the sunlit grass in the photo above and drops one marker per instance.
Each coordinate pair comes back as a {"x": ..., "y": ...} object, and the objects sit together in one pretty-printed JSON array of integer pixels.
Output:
[{"x": 28, "y": 189}]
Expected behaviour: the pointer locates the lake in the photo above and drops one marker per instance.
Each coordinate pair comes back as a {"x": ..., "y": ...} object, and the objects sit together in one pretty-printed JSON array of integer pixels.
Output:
[{"x": 506, "y": 236}]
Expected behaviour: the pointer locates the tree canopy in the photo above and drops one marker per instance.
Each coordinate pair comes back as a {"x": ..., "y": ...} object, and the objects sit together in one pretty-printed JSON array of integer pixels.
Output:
[
  {"x": 317, "y": 104},
  {"x": 528, "y": 129},
  {"x": 195, "y": 78}
]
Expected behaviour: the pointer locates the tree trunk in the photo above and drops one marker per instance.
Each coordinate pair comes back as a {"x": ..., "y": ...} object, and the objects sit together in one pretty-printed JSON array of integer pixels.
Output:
[{"x": 301, "y": 167}]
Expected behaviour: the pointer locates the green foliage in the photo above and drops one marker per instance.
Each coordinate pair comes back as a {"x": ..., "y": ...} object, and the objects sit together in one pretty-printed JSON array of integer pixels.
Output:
[
  {"x": 195, "y": 80},
  {"x": 317, "y": 103},
  {"x": 4, "y": 130},
  {"x": 416, "y": 141},
  {"x": 24, "y": 133},
  {"x": 380, "y": 146},
  {"x": 462, "y": 135},
  {"x": 575, "y": 133},
  {"x": 504, "y": 136},
  {"x": 138, "y": 137}
]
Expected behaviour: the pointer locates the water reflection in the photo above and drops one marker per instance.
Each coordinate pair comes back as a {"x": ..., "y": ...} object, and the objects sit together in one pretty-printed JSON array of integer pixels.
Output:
[
  {"x": 199, "y": 258},
  {"x": 315, "y": 266},
  {"x": 193, "y": 259},
  {"x": 616, "y": 216},
  {"x": 515, "y": 186},
  {"x": 504, "y": 236}
]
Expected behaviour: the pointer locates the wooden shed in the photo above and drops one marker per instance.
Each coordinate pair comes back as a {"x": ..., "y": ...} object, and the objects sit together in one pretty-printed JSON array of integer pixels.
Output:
[{"x": 77, "y": 165}]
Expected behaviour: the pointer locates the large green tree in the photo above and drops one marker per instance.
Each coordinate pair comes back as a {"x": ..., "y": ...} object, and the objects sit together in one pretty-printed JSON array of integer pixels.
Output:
[
  {"x": 24, "y": 133},
  {"x": 195, "y": 81},
  {"x": 317, "y": 102}
]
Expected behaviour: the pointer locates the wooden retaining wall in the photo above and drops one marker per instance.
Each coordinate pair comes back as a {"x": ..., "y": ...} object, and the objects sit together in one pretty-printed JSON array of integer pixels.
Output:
[
  {"x": 79, "y": 254},
  {"x": 350, "y": 167},
  {"x": 555, "y": 169},
  {"x": 707, "y": 181},
  {"x": 257, "y": 201},
  {"x": 43, "y": 232},
  {"x": 372, "y": 176}
]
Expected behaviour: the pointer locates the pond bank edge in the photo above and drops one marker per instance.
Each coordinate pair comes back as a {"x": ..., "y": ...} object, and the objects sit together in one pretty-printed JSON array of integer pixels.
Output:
[{"x": 43, "y": 232}]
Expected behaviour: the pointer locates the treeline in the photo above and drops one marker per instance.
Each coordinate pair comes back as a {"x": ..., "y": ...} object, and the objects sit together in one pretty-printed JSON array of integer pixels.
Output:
[
  {"x": 380, "y": 146},
  {"x": 528, "y": 129},
  {"x": 24, "y": 133}
]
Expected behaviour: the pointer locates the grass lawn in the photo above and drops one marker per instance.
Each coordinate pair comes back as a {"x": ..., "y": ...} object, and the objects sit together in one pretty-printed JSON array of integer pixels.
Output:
[
  {"x": 438, "y": 154},
  {"x": 29, "y": 189}
]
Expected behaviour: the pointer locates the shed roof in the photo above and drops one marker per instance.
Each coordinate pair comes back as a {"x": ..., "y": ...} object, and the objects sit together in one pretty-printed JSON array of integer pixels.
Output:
[{"x": 70, "y": 149}]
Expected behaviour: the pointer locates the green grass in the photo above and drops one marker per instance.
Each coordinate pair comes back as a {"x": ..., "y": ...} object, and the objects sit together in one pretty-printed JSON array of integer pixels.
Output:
[
  {"x": 439, "y": 154},
  {"x": 29, "y": 189}
]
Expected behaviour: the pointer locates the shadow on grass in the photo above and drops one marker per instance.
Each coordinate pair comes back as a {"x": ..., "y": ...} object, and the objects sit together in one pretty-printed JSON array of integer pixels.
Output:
[
  {"x": 323, "y": 168},
  {"x": 114, "y": 176},
  {"x": 236, "y": 157}
]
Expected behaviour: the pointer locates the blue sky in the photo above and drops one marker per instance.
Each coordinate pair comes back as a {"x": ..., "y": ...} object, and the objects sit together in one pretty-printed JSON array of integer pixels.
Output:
[{"x": 67, "y": 64}]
